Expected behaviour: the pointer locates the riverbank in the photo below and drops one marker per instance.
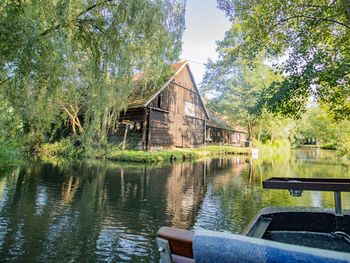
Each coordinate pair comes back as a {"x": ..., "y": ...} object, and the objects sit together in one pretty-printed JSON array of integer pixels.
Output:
[
  {"x": 10, "y": 153},
  {"x": 114, "y": 153},
  {"x": 175, "y": 154}
]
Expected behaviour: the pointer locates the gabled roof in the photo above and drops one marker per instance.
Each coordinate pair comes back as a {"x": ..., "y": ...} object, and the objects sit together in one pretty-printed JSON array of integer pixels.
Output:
[
  {"x": 216, "y": 121},
  {"x": 143, "y": 98}
]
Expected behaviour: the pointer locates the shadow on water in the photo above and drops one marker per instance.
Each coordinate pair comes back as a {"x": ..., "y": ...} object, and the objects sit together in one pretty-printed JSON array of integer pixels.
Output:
[{"x": 96, "y": 211}]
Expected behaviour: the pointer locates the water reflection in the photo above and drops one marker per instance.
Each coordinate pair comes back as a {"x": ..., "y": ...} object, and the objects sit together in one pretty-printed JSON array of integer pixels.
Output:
[{"x": 111, "y": 212}]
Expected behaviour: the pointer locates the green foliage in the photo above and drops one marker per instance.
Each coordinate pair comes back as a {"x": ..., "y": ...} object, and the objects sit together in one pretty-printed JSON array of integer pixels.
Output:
[
  {"x": 318, "y": 124},
  {"x": 10, "y": 134},
  {"x": 62, "y": 60},
  {"x": 275, "y": 127},
  {"x": 343, "y": 144},
  {"x": 307, "y": 40},
  {"x": 166, "y": 155},
  {"x": 64, "y": 148},
  {"x": 234, "y": 88},
  {"x": 10, "y": 153}
]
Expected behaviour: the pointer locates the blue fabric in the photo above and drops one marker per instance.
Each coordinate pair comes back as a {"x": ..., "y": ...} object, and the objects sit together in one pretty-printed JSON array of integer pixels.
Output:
[{"x": 210, "y": 247}]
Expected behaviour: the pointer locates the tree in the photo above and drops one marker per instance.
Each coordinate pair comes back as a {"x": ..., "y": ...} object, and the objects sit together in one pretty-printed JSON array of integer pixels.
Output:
[
  {"x": 62, "y": 59},
  {"x": 307, "y": 39},
  {"x": 275, "y": 126},
  {"x": 234, "y": 88}
]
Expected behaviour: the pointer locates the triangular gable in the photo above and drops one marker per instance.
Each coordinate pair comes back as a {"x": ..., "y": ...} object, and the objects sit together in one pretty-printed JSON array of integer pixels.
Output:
[
  {"x": 180, "y": 67},
  {"x": 199, "y": 94},
  {"x": 141, "y": 98}
]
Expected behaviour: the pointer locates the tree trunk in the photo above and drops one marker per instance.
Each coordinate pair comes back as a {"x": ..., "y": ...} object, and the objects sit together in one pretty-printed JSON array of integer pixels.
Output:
[
  {"x": 124, "y": 140},
  {"x": 250, "y": 132}
]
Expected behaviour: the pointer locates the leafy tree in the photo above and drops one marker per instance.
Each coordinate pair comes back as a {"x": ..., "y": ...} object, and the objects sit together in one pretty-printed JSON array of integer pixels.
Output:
[
  {"x": 275, "y": 126},
  {"x": 62, "y": 59},
  {"x": 319, "y": 124},
  {"x": 234, "y": 88},
  {"x": 316, "y": 123},
  {"x": 307, "y": 39}
]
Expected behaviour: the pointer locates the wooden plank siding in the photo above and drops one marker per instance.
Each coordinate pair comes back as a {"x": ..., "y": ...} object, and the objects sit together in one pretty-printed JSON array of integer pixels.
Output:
[
  {"x": 215, "y": 135},
  {"x": 177, "y": 116},
  {"x": 174, "y": 116}
]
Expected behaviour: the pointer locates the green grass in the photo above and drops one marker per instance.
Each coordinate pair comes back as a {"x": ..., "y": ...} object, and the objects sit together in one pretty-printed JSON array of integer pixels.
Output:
[
  {"x": 63, "y": 148},
  {"x": 177, "y": 154},
  {"x": 10, "y": 153}
]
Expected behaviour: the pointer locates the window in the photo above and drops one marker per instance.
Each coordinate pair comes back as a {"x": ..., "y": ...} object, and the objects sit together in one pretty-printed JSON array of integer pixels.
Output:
[
  {"x": 159, "y": 101},
  {"x": 190, "y": 109}
]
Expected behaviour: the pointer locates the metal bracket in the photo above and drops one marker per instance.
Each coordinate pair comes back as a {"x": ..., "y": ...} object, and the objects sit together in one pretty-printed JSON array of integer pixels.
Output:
[
  {"x": 337, "y": 202},
  {"x": 164, "y": 250}
]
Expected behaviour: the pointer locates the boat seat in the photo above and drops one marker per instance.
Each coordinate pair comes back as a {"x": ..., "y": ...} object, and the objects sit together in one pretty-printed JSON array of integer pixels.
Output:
[{"x": 210, "y": 247}]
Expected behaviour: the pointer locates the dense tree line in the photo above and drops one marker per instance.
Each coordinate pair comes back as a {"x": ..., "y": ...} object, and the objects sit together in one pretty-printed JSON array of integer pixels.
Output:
[
  {"x": 276, "y": 58},
  {"x": 308, "y": 41},
  {"x": 70, "y": 63}
]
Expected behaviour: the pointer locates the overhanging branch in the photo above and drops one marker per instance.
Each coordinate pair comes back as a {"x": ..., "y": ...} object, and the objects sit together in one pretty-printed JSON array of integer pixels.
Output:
[
  {"x": 60, "y": 25},
  {"x": 315, "y": 18}
]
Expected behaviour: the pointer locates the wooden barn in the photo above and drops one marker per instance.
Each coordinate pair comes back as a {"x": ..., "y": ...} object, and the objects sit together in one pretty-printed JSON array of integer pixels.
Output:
[
  {"x": 218, "y": 131},
  {"x": 172, "y": 116}
]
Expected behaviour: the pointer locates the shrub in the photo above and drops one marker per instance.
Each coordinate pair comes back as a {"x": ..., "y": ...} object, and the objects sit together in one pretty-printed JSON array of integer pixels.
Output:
[
  {"x": 64, "y": 148},
  {"x": 10, "y": 152}
]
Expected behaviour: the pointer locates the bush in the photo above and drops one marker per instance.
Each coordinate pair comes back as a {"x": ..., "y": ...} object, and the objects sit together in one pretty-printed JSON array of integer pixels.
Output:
[
  {"x": 64, "y": 148},
  {"x": 10, "y": 152},
  {"x": 329, "y": 146}
]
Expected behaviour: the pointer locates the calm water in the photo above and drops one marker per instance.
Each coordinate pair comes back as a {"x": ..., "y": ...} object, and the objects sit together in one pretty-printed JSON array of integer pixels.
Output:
[{"x": 111, "y": 212}]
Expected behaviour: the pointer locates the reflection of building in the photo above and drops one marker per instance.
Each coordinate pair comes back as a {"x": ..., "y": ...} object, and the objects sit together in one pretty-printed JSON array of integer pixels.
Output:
[{"x": 185, "y": 191}]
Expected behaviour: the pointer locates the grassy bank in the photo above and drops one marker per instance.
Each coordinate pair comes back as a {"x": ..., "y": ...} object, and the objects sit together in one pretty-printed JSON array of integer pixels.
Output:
[
  {"x": 174, "y": 154},
  {"x": 65, "y": 150},
  {"x": 10, "y": 153}
]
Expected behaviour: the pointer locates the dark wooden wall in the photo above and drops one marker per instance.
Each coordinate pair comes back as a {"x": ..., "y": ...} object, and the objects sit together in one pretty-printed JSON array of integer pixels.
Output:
[
  {"x": 177, "y": 116},
  {"x": 160, "y": 134},
  {"x": 220, "y": 135},
  {"x": 135, "y": 137}
]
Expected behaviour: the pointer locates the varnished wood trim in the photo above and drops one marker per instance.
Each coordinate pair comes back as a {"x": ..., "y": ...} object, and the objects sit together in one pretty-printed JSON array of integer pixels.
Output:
[{"x": 180, "y": 240}]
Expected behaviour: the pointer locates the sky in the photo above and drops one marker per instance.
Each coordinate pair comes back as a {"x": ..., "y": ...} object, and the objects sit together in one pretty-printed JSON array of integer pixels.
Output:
[{"x": 205, "y": 24}]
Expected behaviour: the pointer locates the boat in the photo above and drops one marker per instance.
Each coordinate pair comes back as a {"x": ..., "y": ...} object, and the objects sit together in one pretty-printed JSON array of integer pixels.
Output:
[{"x": 276, "y": 234}]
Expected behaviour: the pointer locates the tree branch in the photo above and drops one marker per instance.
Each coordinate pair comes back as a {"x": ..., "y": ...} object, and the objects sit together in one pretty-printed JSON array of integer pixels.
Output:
[
  {"x": 93, "y": 6},
  {"x": 5, "y": 80},
  {"x": 315, "y": 18},
  {"x": 58, "y": 26}
]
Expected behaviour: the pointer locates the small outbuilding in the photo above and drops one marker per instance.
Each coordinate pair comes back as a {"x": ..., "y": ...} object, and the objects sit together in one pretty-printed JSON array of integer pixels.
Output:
[{"x": 218, "y": 131}]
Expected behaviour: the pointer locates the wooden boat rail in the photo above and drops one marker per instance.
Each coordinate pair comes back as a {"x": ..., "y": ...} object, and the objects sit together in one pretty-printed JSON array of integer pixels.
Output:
[
  {"x": 297, "y": 185},
  {"x": 177, "y": 243},
  {"x": 310, "y": 184}
]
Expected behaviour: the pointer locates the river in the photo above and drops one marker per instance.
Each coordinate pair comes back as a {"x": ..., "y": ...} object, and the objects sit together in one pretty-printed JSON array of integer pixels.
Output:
[{"x": 102, "y": 211}]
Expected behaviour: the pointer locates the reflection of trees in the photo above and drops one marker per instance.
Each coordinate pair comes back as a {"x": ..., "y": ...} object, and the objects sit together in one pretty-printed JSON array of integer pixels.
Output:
[
  {"x": 242, "y": 196},
  {"x": 221, "y": 174},
  {"x": 98, "y": 211},
  {"x": 114, "y": 210}
]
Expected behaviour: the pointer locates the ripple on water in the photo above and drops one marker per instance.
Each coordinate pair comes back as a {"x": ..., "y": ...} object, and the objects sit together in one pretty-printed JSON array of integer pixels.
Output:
[
  {"x": 210, "y": 215},
  {"x": 116, "y": 242}
]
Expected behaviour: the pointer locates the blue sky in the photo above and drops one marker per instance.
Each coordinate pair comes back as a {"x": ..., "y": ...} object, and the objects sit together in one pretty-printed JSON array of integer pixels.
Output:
[{"x": 205, "y": 24}]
